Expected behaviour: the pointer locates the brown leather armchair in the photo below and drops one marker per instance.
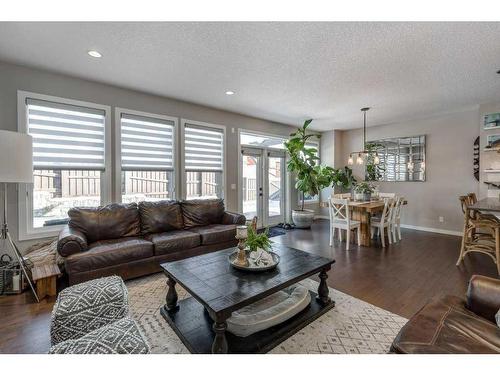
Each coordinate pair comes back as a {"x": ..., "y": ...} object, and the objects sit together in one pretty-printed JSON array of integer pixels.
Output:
[{"x": 453, "y": 325}]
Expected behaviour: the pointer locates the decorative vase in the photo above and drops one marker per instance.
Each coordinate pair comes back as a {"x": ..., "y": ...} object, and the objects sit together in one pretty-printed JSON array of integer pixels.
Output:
[
  {"x": 362, "y": 197},
  {"x": 302, "y": 218}
]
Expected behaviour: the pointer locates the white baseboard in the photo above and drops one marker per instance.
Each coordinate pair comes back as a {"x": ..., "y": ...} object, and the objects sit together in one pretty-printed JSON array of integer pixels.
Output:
[
  {"x": 433, "y": 230},
  {"x": 415, "y": 227}
]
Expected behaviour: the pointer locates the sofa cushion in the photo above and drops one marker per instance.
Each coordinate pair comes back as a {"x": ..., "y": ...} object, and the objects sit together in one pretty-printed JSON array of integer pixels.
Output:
[
  {"x": 445, "y": 325},
  {"x": 120, "y": 337},
  {"x": 215, "y": 233},
  {"x": 162, "y": 216},
  {"x": 85, "y": 307},
  {"x": 201, "y": 212},
  {"x": 106, "y": 222},
  {"x": 109, "y": 253},
  {"x": 174, "y": 241}
]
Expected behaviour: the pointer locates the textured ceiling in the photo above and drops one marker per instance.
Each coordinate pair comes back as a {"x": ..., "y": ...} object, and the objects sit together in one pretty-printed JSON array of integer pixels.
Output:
[{"x": 283, "y": 72}]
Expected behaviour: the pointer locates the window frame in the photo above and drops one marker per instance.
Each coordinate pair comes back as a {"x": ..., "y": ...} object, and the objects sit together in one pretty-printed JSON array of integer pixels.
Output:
[
  {"x": 182, "y": 169},
  {"x": 26, "y": 230},
  {"x": 118, "y": 148}
]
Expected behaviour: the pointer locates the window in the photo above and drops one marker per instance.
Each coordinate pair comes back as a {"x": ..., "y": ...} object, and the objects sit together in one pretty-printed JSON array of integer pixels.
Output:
[
  {"x": 307, "y": 197},
  {"x": 203, "y": 160},
  {"x": 69, "y": 161},
  {"x": 251, "y": 139},
  {"x": 146, "y": 156}
]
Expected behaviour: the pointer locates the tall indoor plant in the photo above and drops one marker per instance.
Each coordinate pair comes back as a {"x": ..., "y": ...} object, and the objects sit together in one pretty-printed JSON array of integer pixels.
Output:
[{"x": 311, "y": 177}]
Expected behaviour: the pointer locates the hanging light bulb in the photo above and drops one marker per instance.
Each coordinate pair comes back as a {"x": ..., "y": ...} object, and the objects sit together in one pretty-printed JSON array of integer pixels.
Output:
[
  {"x": 350, "y": 161},
  {"x": 376, "y": 160},
  {"x": 359, "y": 160}
]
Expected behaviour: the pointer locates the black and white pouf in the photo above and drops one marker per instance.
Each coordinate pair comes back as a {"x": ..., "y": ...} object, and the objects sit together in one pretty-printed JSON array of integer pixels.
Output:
[
  {"x": 120, "y": 337},
  {"x": 88, "y": 306}
]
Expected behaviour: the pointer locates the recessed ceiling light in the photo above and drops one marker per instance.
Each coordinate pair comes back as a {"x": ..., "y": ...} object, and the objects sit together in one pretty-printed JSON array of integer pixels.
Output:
[
  {"x": 229, "y": 92},
  {"x": 94, "y": 54}
]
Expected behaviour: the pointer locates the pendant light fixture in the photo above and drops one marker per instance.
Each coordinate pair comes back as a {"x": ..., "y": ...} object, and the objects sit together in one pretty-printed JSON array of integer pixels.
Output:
[{"x": 362, "y": 155}]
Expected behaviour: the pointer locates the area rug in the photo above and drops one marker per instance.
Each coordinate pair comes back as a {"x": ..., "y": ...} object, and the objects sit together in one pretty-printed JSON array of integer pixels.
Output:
[{"x": 353, "y": 326}]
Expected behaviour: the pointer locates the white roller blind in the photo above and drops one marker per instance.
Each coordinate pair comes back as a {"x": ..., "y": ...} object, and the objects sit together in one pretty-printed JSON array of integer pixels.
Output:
[
  {"x": 203, "y": 148},
  {"x": 66, "y": 136},
  {"x": 146, "y": 143}
]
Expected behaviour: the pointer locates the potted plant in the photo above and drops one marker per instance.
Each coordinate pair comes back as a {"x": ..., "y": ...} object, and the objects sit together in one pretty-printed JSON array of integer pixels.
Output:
[
  {"x": 344, "y": 179},
  {"x": 363, "y": 191},
  {"x": 373, "y": 172},
  {"x": 256, "y": 241},
  {"x": 310, "y": 176}
]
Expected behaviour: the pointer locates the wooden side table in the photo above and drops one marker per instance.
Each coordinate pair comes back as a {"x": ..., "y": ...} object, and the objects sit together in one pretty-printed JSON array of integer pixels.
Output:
[{"x": 45, "y": 276}]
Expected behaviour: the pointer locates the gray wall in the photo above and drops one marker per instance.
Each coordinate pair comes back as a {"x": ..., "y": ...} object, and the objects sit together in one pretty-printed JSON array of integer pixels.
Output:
[
  {"x": 13, "y": 78},
  {"x": 449, "y": 140}
]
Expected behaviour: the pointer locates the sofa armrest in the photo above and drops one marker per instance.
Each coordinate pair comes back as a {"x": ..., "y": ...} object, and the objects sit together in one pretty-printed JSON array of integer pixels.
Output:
[
  {"x": 483, "y": 296},
  {"x": 233, "y": 218},
  {"x": 71, "y": 241}
]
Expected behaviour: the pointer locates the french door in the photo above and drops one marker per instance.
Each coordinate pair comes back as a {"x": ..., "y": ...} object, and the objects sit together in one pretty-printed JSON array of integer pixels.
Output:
[{"x": 263, "y": 185}]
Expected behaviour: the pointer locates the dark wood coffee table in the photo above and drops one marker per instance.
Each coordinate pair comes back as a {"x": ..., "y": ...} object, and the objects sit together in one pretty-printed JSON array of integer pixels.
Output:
[{"x": 217, "y": 289}]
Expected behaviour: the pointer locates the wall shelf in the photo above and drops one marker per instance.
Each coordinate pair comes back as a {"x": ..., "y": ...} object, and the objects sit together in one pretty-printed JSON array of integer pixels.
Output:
[{"x": 491, "y": 171}]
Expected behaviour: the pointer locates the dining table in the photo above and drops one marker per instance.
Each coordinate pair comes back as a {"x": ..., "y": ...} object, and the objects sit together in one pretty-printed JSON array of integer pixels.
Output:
[{"x": 362, "y": 212}]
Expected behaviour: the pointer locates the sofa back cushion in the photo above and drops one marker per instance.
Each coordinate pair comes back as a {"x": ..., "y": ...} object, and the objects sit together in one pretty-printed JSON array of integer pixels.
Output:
[
  {"x": 200, "y": 212},
  {"x": 162, "y": 216},
  {"x": 106, "y": 222}
]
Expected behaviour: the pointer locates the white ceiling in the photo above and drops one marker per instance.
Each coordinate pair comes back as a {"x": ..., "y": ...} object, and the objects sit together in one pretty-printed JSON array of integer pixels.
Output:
[{"x": 283, "y": 72}]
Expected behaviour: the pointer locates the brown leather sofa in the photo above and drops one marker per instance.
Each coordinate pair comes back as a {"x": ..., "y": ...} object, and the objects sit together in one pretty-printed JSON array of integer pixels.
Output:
[
  {"x": 131, "y": 240},
  {"x": 453, "y": 325}
]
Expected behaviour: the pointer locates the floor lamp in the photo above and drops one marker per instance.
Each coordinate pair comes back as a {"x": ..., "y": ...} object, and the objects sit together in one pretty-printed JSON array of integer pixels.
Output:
[{"x": 16, "y": 166}]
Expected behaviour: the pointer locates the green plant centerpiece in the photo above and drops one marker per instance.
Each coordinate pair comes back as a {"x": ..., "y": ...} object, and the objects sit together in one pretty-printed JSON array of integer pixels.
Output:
[
  {"x": 259, "y": 247},
  {"x": 257, "y": 241},
  {"x": 311, "y": 177},
  {"x": 363, "y": 191}
]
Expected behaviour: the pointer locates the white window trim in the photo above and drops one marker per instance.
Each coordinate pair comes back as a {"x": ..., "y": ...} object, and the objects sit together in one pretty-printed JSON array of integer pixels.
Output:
[
  {"x": 25, "y": 192},
  {"x": 314, "y": 201},
  {"x": 118, "y": 147},
  {"x": 181, "y": 153}
]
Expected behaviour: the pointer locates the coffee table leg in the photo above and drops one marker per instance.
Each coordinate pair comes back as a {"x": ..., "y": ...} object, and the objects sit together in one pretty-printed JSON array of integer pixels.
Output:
[
  {"x": 219, "y": 346},
  {"x": 323, "y": 288},
  {"x": 171, "y": 295}
]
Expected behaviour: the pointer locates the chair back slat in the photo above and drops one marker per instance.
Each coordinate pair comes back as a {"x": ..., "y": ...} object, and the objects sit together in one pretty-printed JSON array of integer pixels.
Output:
[
  {"x": 387, "y": 195},
  {"x": 397, "y": 207},
  {"x": 339, "y": 210}
]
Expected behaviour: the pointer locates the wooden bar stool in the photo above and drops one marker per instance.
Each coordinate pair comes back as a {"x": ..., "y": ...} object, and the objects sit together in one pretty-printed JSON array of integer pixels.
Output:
[{"x": 481, "y": 233}]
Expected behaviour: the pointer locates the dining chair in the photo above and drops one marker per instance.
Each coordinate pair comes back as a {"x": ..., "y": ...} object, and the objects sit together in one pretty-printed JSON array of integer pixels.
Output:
[
  {"x": 396, "y": 219},
  {"x": 387, "y": 195},
  {"x": 383, "y": 223},
  {"x": 340, "y": 219}
]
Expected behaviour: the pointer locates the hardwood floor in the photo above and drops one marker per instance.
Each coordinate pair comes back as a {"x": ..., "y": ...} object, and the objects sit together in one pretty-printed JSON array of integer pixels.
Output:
[{"x": 399, "y": 278}]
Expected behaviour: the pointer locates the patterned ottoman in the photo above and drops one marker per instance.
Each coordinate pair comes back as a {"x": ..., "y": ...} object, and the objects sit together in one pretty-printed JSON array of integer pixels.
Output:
[
  {"x": 120, "y": 337},
  {"x": 85, "y": 307}
]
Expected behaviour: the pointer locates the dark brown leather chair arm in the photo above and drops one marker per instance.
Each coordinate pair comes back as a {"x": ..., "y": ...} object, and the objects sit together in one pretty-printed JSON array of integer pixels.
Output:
[
  {"x": 483, "y": 296},
  {"x": 233, "y": 218},
  {"x": 71, "y": 241}
]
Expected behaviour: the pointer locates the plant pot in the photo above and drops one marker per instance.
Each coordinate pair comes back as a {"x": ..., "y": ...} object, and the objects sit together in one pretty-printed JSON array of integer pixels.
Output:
[
  {"x": 302, "y": 219},
  {"x": 362, "y": 197}
]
